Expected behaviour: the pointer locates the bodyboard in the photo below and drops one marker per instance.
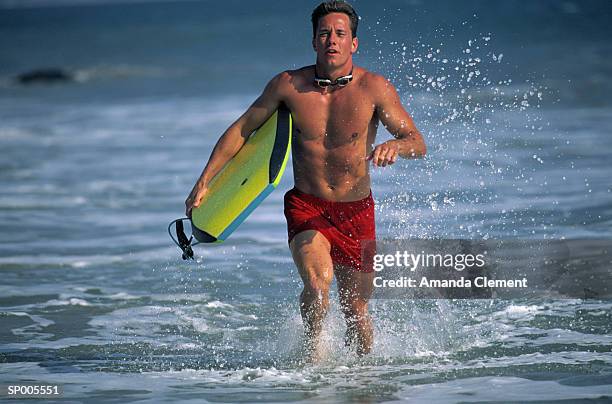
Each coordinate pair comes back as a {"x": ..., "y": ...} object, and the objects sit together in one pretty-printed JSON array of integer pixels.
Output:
[{"x": 245, "y": 181}]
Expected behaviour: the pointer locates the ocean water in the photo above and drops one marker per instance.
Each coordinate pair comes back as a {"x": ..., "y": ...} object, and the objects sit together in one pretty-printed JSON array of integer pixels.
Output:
[{"x": 513, "y": 101}]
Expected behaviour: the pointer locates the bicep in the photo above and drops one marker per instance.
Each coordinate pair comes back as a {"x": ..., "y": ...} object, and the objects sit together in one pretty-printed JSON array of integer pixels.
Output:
[{"x": 391, "y": 112}]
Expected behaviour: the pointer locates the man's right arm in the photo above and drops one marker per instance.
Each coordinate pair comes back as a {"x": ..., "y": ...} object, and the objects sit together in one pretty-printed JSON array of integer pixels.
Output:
[{"x": 235, "y": 136}]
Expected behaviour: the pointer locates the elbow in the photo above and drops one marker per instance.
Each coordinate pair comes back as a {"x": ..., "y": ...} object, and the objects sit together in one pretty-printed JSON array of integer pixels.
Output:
[{"x": 230, "y": 143}]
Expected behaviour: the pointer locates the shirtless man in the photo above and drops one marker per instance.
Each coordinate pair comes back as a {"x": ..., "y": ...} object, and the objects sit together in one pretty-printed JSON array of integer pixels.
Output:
[{"x": 336, "y": 107}]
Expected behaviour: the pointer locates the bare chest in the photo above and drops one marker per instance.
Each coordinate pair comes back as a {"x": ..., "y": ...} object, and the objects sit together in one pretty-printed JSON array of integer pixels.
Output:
[{"x": 334, "y": 119}]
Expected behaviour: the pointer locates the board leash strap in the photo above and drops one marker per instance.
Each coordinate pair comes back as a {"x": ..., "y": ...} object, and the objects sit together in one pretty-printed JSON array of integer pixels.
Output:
[{"x": 183, "y": 242}]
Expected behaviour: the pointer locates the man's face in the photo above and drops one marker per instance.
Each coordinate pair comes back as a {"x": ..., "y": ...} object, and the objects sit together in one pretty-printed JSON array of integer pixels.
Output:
[{"x": 334, "y": 42}]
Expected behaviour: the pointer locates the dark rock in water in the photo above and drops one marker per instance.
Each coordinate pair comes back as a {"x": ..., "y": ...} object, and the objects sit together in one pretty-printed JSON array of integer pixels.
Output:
[{"x": 45, "y": 76}]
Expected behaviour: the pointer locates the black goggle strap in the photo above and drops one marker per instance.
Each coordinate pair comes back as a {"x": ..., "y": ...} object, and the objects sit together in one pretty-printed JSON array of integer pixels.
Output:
[{"x": 183, "y": 242}]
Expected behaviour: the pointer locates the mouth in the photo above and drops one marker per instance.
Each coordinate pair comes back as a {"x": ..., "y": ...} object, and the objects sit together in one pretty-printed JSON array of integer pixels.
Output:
[{"x": 331, "y": 52}]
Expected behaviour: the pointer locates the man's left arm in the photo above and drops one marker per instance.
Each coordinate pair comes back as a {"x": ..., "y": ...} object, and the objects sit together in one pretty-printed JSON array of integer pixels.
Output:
[{"x": 408, "y": 142}]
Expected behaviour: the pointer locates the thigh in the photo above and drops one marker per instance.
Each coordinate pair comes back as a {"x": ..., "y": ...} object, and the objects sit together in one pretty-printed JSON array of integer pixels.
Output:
[
  {"x": 311, "y": 253},
  {"x": 354, "y": 285}
]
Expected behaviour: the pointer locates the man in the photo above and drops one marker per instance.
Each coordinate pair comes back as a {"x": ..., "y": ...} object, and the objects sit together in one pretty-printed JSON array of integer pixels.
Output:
[{"x": 336, "y": 107}]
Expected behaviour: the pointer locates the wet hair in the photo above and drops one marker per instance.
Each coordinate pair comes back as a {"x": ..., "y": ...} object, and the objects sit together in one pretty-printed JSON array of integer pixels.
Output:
[{"x": 334, "y": 6}]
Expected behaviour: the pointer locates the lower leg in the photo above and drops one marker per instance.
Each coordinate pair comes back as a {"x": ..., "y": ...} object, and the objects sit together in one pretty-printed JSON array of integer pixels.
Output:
[
  {"x": 355, "y": 289},
  {"x": 359, "y": 330},
  {"x": 359, "y": 327},
  {"x": 311, "y": 254},
  {"x": 314, "y": 304}
]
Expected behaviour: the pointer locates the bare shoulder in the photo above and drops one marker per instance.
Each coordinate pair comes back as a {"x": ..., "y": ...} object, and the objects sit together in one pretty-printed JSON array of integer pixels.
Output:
[
  {"x": 279, "y": 81},
  {"x": 289, "y": 79},
  {"x": 373, "y": 82},
  {"x": 377, "y": 86}
]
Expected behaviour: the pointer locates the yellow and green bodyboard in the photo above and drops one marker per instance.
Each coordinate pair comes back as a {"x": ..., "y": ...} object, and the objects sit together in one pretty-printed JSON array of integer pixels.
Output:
[{"x": 245, "y": 181}]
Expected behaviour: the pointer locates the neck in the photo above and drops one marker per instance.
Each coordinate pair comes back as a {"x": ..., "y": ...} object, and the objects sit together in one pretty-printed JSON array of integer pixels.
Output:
[{"x": 332, "y": 73}]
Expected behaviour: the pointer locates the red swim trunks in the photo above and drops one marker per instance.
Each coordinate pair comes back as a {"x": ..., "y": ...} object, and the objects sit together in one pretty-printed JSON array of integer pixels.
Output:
[{"x": 344, "y": 224}]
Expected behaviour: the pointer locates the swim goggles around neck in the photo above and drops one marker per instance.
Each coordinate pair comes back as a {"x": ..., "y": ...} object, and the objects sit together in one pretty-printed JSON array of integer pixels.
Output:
[{"x": 340, "y": 81}]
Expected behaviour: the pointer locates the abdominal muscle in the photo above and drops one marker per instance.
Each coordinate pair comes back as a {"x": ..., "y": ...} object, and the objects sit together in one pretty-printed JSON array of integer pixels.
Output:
[{"x": 340, "y": 174}]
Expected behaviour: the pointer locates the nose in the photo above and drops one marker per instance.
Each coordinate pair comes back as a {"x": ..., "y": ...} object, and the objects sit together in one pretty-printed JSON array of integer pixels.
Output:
[{"x": 331, "y": 38}]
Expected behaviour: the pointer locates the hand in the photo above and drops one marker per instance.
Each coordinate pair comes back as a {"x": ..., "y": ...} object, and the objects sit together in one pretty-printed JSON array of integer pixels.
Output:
[
  {"x": 384, "y": 154},
  {"x": 195, "y": 198}
]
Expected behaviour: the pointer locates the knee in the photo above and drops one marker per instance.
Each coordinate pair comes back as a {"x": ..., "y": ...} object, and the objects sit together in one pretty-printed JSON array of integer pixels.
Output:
[
  {"x": 317, "y": 281},
  {"x": 316, "y": 290}
]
